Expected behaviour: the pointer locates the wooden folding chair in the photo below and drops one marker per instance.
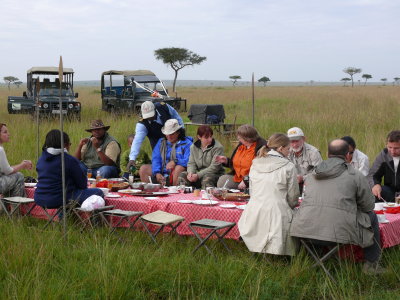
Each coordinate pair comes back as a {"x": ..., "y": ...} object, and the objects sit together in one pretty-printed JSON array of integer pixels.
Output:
[
  {"x": 12, "y": 205},
  {"x": 214, "y": 226},
  {"x": 162, "y": 219},
  {"x": 123, "y": 215}
]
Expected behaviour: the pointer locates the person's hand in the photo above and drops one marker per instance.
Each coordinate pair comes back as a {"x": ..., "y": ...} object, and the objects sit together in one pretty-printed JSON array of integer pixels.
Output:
[
  {"x": 300, "y": 179},
  {"x": 83, "y": 142},
  {"x": 130, "y": 163},
  {"x": 159, "y": 178},
  {"x": 242, "y": 185},
  {"x": 170, "y": 166},
  {"x": 193, "y": 177},
  {"x": 95, "y": 142},
  {"x": 27, "y": 164},
  {"x": 376, "y": 190},
  {"x": 221, "y": 159}
]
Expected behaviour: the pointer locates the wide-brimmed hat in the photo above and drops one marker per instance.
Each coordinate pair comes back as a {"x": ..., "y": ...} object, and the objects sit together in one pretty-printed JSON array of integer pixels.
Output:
[
  {"x": 171, "y": 126},
  {"x": 148, "y": 109},
  {"x": 97, "y": 124},
  {"x": 295, "y": 133}
]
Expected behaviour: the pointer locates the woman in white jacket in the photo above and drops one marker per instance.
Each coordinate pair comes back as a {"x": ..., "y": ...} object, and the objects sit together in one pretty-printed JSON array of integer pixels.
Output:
[{"x": 264, "y": 224}]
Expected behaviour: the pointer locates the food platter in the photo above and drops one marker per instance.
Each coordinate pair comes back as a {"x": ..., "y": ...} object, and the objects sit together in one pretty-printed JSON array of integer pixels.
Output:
[
  {"x": 129, "y": 191},
  {"x": 205, "y": 202},
  {"x": 233, "y": 196},
  {"x": 390, "y": 204}
]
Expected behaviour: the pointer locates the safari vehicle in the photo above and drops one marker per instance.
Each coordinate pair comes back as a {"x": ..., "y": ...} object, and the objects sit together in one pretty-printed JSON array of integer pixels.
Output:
[
  {"x": 43, "y": 94},
  {"x": 125, "y": 91}
]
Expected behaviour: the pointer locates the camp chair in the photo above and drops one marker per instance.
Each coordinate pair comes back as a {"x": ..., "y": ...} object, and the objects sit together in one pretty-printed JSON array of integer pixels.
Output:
[
  {"x": 214, "y": 226},
  {"x": 51, "y": 217},
  {"x": 123, "y": 215},
  {"x": 162, "y": 219},
  {"x": 12, "y": 204},
  {"x": 89, "y": 218},
  {"x": 315, "y": 247}
]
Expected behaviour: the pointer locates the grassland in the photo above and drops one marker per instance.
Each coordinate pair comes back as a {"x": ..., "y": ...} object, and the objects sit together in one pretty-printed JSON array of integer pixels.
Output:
[{"x": 36, "y": 264}]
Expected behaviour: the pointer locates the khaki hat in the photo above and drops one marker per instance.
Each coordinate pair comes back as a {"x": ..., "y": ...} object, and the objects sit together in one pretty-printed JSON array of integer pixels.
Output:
[
  {"x": 148, "y": 109},
  {"x": 295, "y": 133},
  {"x": 97, "y": 124},
  {"x": 171, "y": 126}
]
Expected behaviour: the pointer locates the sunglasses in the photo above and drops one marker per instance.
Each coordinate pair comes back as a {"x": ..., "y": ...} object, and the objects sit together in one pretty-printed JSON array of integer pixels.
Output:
[{"x": 351, "y": 152}]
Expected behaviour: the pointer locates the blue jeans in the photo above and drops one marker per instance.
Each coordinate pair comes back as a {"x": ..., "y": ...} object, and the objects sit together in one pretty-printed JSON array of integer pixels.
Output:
[{"x": 105, "y": 171}]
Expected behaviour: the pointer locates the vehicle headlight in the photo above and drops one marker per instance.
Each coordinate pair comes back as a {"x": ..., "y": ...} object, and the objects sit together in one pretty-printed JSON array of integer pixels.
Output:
[
  {"x": 45, "y": 105},
  {"x": 70, "y": 106}
]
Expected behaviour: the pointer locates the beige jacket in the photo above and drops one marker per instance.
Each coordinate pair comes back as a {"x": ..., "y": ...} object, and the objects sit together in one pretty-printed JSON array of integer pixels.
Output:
[
  {"x": 307, "y": 161},
  {"x": 264, "y": 224}
]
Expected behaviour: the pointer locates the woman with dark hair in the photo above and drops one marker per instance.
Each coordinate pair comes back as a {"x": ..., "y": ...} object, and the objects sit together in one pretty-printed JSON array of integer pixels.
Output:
[
  {"x": 265, "y": 222},
  {"x": 170, "y": 155},
  {"x": 11, "y": 181},
  {"x": 202, "y": 169},
  {"x": 240, "y": 162},
  {"x": 49, "y": 188}
]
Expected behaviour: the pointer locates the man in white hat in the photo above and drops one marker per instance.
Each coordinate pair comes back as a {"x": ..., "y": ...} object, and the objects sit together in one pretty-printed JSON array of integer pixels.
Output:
[
  {"x": 154, "y": 116},
  {"x": 304, "y": 156}
]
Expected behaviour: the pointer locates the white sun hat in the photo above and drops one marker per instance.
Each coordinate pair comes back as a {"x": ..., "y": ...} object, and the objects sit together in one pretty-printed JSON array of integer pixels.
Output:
[{"x": 171, "y": 126}]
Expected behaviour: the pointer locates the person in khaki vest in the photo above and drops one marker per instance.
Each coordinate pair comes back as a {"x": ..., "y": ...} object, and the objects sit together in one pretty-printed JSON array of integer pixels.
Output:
[{"x": 100, "y": 152}]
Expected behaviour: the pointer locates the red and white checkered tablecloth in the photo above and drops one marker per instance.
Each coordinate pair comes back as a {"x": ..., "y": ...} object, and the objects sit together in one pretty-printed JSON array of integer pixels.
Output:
[{"x": 390, "y": 232}]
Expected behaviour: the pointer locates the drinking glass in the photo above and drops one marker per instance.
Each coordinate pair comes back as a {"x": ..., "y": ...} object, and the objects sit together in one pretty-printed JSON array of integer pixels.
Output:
[
  {"x": 224, "y": 193},
  {"x": 131, "y": 179},
  {"x": 89, "y": 173}
]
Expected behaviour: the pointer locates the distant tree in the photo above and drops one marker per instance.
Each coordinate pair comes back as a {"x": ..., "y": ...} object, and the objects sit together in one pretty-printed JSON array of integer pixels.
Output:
[
  {"x": 384, "y": 80},
  {"x": 178, "y": 58},
  {"x": 366, "y": 77},
  {"x": 234, "y": 79},
  {"x": 351, "y": 71},
  {"x": 264, "y": 80},
  {"x": 397, "y": 80},
  {"x": 345, "y": 80},
  {"x": 10, "y": 79},
  {"x": 18, "y": 83}
]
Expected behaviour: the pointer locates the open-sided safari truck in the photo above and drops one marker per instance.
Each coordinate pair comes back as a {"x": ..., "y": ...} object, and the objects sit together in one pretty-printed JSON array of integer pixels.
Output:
[
  {"x": 43, "y": 93},
  {"x": 125, "y": 91}
]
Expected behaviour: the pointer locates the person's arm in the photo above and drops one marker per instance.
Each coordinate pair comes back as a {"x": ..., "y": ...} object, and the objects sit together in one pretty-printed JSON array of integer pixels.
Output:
[
  {"x": 174, "y": 115},
  {"x": 7, "y": 169},
  {"x": 377, "y": 171},
  {"x": 214, "y": 167},
  {"x": 124, "y": 161},
  {"x": 364, "y": 165},
  {"x": 182, "y": 157},
  {"x": 191, "y": 166},
  {"x": 315, "y": 158},
  {"x": 156, "y": 160},
  {"x": 110, "y": 155},
  {"x": 78, "y": 176},
  {"x": 365, "y": 198},
  {"x": 140, "y": 134},
  {"x": 78, "y": 151}
]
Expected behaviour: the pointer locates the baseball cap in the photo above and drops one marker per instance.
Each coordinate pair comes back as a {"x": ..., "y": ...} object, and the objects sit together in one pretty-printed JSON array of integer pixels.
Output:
[
  {"x": 148, "y": 109},
  {"x": 295, "y": 133}
]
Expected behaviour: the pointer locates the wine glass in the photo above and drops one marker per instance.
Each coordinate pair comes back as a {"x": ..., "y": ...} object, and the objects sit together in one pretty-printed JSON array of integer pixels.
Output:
[{"x": 224, "y": 193}]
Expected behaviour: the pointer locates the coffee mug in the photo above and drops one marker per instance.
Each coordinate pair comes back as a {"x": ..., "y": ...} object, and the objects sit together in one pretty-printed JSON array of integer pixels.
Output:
[{"x": 172, "y": 189}]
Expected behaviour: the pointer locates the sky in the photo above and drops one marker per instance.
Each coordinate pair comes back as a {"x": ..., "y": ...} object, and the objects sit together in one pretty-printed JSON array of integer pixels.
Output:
[{"x": 285, "y": 40}]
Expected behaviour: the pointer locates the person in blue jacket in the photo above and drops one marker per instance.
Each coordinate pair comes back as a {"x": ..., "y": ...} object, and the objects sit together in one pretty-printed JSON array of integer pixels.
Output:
[
  {"x": 170, "y": 155},
  {"x": 49, "y": 188}
]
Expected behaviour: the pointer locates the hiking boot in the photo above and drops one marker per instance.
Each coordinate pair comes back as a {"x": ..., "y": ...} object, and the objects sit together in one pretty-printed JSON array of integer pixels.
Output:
[{"x": 373, "y": 268}]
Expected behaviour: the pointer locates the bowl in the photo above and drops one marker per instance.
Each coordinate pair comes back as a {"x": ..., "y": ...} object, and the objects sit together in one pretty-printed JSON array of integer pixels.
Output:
[
  {"x": 138, "y": 185},
  {"x": 152, "y": 187},
  {"x": 119, "y": 186},
  {"x": 105, "y": 191}
]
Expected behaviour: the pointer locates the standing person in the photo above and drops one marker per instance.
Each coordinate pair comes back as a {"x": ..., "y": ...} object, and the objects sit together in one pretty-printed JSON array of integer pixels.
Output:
[
  {"x": 99, "y": 152},
  {"x": 338, "y": 207},
  {"x": 202, "y": 169},
  {"x": 386, "y": 166},
  {"x": 355, "y": 157},
  {"x": 304, "y": 156},
  {"x": 170, "y": 155},
  {"x": 49, "y": 187},
  {"x": 154, "y": 116},
  {"x": 11, "y": 181},
  {"x": 240, "y": 162},
  {"x": 265, "y": 222},
  {"x": 142, "y": 159}
]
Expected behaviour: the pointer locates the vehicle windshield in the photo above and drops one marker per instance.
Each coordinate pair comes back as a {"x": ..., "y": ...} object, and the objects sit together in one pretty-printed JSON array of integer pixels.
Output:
[
  {"x": 52, "y": 89},
  {"x": 154, "y": 86}
]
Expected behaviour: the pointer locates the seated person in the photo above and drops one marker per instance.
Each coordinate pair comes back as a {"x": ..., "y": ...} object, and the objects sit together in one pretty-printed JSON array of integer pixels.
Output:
[
  {"x": 11, "y": 181},
  {"x": 265, "y": 223},
  {"x": 240, "y": 162},
  {"x": 355, "y": 157},
  {"x": 385, "y": 167},
  {"x": 170, "y": 155},
  {"x": 99, "y": 152},
  {"x": 141, "y": 159},
  {"x": 202, "y": 169},
  {"x": 338, "y": 207},
  {"x": 49, "y": 187}
]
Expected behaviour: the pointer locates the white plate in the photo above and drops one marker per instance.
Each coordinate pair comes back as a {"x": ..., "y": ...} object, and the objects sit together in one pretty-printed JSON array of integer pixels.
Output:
[
  {"x": 205, "y": 202},
  {"x": 227, "y": 205},
  {"x": 91, "y": 179},
  {"x": 151, "y": 198},
  {"x": 234, "y": 191},
  {"x": 389, "y": 206},
  {"x": 241, "y": 206},
  {"x": 129, "y": 191},
  {"x": 113, "y": 195},
  {"x": 384, "y": 222},
  {"x": 30, "y": 184},
  {"x": 184, "y": 201}
]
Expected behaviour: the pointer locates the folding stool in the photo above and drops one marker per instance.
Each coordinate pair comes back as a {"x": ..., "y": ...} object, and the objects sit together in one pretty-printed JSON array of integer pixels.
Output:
[
  {"x": 88, "y": 217},
  {"x": 12, "y": 204},
  {"x": 122, "y": 215}
]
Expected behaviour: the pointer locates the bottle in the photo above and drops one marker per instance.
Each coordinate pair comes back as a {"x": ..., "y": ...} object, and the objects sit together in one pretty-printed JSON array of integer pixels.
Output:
[
  {"x": 166, "y": 180},
  {"x": 98, "y": 176},
  {"x": 132, "y": 170}
]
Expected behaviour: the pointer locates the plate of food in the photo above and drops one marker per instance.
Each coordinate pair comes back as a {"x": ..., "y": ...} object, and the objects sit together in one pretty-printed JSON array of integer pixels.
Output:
[
  {"x": 129, "y": 191},
  {"x": 30, "y": 184},
  {"x": 205, "y": 202},
  {"x": 184, "y": 201},
  {"x": 227, "y": 205},
  {"x": 386, "y": 205},
  {"x": 241, "y": 206},
  {"x": 113, "y": 195},
  {"x": 151, "y": 198}
]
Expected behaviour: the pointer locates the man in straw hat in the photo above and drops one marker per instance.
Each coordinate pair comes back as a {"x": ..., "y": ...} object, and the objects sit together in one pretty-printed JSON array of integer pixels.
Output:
[
  {"x": 154, "y": 116},
  {"x": 99, "y": 152}
]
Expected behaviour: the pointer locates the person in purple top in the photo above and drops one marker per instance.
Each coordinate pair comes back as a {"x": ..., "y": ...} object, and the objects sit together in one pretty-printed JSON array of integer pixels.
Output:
[{"x": 49, "y": 188}]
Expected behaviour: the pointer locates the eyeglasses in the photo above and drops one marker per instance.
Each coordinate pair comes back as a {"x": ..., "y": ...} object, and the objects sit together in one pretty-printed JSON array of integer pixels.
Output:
[{"x": 351, "y": 152}]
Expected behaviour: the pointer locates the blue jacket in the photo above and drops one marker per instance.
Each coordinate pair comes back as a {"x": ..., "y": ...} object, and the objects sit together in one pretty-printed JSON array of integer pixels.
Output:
[
  {"x": 49, "y": 188},
  {"x": 182, "y": 155}
]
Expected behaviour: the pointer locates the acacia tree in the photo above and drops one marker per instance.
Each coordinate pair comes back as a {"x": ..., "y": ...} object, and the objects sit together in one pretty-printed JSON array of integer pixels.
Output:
[
  {"x": 9, "y": 79},
  {"x": 18, "y": 83},
  {"x": 264, "y": 80},
  {"x": 234, "y": 79},
  {"x": 345, "y": 80},
  {"x": 366, "y": 77},
  {"x": 178, "y": 58},
  {"x": 351, "y": 71},
  {"x": 384, "y": 80},
  {"x": 396, "y": 79}
]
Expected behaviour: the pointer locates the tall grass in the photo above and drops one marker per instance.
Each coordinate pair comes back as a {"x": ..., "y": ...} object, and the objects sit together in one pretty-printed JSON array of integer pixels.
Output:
[{"x": 37, "y": 264}]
